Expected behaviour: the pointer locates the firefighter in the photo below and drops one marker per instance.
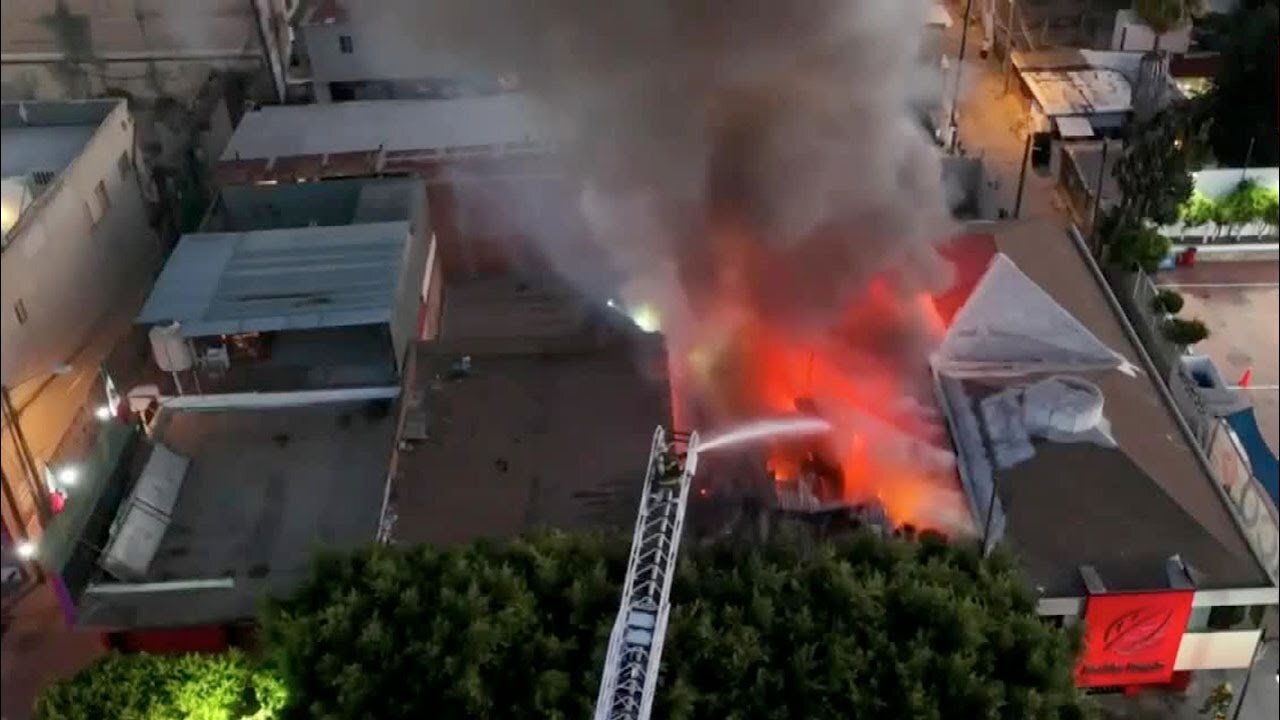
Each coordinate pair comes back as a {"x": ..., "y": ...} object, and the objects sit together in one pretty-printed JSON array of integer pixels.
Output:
[{"x": 669, "y": 468}]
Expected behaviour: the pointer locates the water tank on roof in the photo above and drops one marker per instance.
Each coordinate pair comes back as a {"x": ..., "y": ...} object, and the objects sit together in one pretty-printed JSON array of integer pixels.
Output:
[
  {"x": 1062, "y": 404},
  {"x": 170, "y": 350}
]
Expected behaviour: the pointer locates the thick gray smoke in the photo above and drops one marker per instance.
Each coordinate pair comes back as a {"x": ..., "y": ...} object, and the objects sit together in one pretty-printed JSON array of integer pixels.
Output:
[
  {"x": 787, "y": 120},
  {"x": 754, "y": 175}
]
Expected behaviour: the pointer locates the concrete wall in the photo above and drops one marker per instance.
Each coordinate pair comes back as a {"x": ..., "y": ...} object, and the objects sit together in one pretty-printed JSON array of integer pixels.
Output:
[
  {"x": 54, "y": 49},
  {"x": 380, "y": 49},
  {"x": 408, "y": 309},
  {"x": 1132, "y": 34},
  {"x": 67, "y": 268}
]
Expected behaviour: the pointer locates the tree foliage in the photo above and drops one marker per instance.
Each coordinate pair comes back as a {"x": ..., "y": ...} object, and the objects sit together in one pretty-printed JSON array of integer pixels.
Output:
[
  {"x": 858, "y": 627},
  {"x": 1167, "y": 301},
  {"x": 1185, "y": 332},
  {"x": 1248, "y": 202},
  {"x": 1154, "y": 175},
  {"x": 1244, "y": 96},
  {"x": 143, "y": 687},
  {"x": 1132, "y": 245},
  {"x": 1199, "y": 209}
]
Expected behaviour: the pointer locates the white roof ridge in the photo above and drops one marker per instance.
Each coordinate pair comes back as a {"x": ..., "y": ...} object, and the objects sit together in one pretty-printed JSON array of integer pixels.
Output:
[{"x": 1009, "y": 325}]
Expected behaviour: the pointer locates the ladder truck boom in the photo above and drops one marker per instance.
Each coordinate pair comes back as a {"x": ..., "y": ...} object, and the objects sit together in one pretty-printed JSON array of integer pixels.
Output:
[{"x": 630, "y": 672}]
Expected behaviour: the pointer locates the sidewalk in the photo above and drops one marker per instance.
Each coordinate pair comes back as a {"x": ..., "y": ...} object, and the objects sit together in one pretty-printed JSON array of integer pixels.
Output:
[
  {"x": 993, "y": 126},
  {"x": 1262, "y": 701},
  {"x": 37, "y": 649}
]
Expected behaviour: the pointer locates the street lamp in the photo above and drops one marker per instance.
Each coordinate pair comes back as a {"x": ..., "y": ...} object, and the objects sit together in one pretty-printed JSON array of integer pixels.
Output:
[
  {"x": 26, "y": 549},
  {"x": 68, "y": 476}
]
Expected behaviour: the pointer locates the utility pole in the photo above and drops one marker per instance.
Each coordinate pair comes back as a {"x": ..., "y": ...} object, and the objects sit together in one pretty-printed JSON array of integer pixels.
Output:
[
  {"x": 1008, "y": 45},
  {"x": 955, "y": 97},
  {"x": 1022, "y": 176},
  {"x": 1097, "y": 197},
  {"x": 1248, "y": 157}
]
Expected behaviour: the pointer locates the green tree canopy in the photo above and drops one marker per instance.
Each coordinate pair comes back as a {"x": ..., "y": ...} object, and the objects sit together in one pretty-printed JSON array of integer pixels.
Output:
[
  {"x": 856, "y": 627},
  {"x": 1154, "y": 175},
  {"x": 145, "y": 687}
]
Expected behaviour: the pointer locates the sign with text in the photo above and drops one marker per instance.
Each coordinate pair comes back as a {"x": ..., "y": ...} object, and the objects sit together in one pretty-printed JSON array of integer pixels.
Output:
[{"x": 1132, "y": 638}]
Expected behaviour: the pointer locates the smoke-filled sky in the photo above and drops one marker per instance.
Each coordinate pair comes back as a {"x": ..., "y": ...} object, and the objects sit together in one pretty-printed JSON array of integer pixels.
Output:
[
  {"x": 761, "y": 150},
  {"x": 790, "y": 117}
]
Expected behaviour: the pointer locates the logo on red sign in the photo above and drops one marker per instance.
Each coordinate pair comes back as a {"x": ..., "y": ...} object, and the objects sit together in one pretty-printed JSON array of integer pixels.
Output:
[{"x": 1132, "y": 638}]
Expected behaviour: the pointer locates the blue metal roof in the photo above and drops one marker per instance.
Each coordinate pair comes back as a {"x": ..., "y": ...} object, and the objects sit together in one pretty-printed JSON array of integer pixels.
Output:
[{"x": 290, "y": 279}]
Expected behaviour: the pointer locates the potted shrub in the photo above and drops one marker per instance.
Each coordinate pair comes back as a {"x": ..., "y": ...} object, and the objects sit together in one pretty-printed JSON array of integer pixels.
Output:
[
  {"x": 1185, "y": 332},
  {"x": 1167, "y": 302}
]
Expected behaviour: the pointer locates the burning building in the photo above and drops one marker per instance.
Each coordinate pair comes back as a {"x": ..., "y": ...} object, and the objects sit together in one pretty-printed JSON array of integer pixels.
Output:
[{"x": 765, "y": 199}]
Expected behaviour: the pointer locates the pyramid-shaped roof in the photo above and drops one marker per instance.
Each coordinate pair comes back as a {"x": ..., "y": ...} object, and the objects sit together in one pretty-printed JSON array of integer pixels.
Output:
[{"x": 1011, "y": 326}]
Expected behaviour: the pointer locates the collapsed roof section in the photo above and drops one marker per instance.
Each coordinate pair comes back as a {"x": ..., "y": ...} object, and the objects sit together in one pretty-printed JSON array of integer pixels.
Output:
[{"x": 1010, "y": 326}]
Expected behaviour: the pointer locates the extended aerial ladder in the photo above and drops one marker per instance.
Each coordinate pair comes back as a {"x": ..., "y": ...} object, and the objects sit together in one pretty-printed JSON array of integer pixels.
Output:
[{"x": 635, "y": 645}]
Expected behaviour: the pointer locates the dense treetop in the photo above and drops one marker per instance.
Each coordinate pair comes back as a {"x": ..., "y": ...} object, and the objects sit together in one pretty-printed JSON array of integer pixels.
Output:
[
  {"x": 855, "y": 627},
  {"x": 851, "y": 627}
]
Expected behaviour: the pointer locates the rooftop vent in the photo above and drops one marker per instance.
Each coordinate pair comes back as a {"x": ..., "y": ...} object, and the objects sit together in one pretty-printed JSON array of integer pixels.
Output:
[{"x": 1062, "y": 404}]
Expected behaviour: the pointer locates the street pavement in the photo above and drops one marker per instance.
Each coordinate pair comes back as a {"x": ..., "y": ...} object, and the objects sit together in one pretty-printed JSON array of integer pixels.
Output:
[
  {"x": 993, "y": 126},
  {"x": 38, "y": 647}
]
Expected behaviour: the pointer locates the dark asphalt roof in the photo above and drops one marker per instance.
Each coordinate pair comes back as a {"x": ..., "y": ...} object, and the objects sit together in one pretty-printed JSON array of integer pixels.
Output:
[{"x": 1123, "y": 510}]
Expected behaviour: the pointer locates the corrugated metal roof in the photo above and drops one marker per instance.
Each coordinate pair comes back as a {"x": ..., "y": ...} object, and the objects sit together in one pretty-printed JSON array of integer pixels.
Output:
[
  {"x": 287, "y": 130},
  {"x": 291, "y": 279}
]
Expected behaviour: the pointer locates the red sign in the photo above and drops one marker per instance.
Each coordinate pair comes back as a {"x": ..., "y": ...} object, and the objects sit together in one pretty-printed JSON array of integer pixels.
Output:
[{"x": 1132, "y": 638}]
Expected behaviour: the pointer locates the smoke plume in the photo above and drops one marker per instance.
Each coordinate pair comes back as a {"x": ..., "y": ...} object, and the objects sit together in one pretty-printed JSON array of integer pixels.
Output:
[{"x": 757, "y": 150}]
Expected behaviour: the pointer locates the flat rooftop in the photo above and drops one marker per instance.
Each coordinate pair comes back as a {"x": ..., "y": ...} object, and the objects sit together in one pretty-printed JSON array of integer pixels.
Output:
[
  {"x": 1124, "y": 507},
  {"x": 265, "y": 487},
  {"x": 288, "y": 279},
  {"x": 444, "y": 126},
  {"x": 47, "y": 136},
  {"x": 1079, "y": 92},
  {"x": 545, "y": 429}
]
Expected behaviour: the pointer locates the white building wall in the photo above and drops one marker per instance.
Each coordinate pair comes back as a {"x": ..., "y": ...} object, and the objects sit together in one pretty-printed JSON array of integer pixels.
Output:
[
  {"x": 1133, "y": 35},
  {"x": 67, "y": 270},
  {"x": 376, "y": 47}
]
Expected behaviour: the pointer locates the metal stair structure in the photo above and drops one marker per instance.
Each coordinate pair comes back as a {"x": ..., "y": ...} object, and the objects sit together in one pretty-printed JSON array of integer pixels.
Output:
[{"x": 635, "y": 646}]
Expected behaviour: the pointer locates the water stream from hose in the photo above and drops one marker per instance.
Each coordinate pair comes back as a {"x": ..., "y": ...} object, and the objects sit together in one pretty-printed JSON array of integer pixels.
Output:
[{"x": 766, "y": 428}]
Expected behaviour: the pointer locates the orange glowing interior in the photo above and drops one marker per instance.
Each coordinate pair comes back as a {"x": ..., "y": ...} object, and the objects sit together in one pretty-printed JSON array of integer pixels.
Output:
[{"x": 758, "y": 368}]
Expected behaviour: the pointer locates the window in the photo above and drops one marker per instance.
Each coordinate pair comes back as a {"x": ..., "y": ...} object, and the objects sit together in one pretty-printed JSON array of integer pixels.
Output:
[
  {"x": 104, "y": 200},
  {"x": 20, "y": 309},
  {"x": 345, "y": 45},
  {"x": 125, "y": 166}
]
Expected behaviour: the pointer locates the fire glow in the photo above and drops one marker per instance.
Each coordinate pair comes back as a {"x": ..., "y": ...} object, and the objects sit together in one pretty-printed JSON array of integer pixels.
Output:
[{"x": 861, "y": 373}]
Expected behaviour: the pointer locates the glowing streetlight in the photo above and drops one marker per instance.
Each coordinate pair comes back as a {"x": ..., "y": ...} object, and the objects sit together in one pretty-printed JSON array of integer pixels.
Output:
[
  {"x": 68, "y": 476},
  {"x": 646, "y": 318},
  {"x": 26, "y": 549}
]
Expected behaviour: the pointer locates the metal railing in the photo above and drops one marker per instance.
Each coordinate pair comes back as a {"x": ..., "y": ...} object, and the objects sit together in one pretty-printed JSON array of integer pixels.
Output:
[{"x": 1137, "y": 294}]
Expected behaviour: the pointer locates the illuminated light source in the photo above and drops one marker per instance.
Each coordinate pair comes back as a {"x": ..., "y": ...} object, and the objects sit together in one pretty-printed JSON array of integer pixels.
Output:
[
  {"x": 8, "y": 217},
  {"x": 646, "y": 318},
  {"x": 68, "y": 476},
  {"x": 611, "y": 303},
  {"x": 102, "y": 413},
  {"x": 26, "y": 549}
]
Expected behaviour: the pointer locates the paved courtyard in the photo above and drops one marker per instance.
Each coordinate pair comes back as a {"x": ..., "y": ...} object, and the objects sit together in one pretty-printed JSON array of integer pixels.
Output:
[{"x": 1238, "y": 302}]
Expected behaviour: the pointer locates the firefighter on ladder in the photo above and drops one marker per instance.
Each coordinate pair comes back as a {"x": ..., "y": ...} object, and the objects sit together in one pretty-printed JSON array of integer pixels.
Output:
[{"x": 669, "y": 466}]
